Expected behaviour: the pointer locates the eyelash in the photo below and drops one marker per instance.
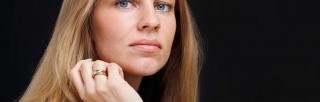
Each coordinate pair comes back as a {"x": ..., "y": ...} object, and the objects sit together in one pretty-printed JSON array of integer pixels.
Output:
[
  {"x": 167, "y": 6},
  {"x": 122, "y": 1}
]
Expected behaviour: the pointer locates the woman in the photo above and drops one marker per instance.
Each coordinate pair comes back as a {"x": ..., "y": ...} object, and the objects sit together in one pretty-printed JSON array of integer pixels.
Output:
[{"x": 101, "y": 50}]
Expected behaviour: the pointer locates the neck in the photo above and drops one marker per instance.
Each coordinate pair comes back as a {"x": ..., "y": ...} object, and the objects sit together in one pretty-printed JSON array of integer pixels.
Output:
[{"x": 133, "y": 80}]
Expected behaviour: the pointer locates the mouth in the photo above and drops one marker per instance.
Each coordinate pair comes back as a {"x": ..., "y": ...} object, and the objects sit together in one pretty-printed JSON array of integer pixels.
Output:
[{"x": 146, "y": 45}]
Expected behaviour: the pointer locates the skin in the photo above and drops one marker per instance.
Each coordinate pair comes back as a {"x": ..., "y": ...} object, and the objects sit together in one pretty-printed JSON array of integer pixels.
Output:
[{"x": 116, "y": 25}]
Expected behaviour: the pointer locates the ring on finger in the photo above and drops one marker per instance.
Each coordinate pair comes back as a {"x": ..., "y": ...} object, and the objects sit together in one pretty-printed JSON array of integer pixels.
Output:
[{"x": 98, "y": 72}]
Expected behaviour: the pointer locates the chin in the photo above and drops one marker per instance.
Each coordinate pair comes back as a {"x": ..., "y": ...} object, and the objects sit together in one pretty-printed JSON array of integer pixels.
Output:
[{"x": 143, "y": 67}]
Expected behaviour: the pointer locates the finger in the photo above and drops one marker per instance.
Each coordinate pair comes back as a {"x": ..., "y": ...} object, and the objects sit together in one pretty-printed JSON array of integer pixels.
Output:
[
  {"x": 99, "y": 65},
  {"x": 100, "y": 80},
  {"x": 121, "y": 72},
  {"x": 76, "y": 77},
  {"x": 113, "y": 71},
  {"x": 86, "y": 73}
]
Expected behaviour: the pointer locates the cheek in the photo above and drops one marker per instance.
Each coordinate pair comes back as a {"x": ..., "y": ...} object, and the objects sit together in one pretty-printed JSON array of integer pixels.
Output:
[
  {"x": 168, "y": 31},
  {"x": 110, "y": 34},
  {"x": 166, "y": 35},
  {"x": 114, "y": 26}
]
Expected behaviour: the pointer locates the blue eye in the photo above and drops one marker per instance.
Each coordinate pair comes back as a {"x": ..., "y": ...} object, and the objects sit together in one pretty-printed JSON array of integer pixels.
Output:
[
  {"x": 124, "y": 4},
  {"x": 162, "y": 7}
]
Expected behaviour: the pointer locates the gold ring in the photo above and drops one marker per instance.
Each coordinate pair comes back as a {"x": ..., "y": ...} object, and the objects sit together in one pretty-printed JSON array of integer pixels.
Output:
[{"x": 98, "y": 72}]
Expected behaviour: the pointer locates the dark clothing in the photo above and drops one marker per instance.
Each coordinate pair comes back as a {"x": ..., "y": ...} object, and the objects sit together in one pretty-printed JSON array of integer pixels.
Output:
[{"x": 150, "y": 88}]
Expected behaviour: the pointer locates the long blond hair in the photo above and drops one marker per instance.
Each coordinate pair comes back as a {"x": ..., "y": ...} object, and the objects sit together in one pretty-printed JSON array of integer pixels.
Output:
[{"x": 72, "y": 41}]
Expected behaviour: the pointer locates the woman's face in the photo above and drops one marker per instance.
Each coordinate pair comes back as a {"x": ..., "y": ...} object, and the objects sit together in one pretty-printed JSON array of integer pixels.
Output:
[{"x": 136, "y": 34}]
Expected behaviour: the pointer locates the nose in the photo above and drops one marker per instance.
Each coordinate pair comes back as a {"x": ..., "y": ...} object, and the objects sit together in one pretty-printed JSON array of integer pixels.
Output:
[{"x": 149, "y": 20}]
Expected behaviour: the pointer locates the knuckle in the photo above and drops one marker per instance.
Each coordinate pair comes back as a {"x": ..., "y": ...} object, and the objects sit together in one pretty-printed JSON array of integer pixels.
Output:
[
  {"x": 84, "y": 98},
  {"x": 115, "y": 86},
  {"x": 84, "y": 66},
  {"x": 101, "y": 90},
  {"x": 99, "y": 63},
  {"x": 82, "y": 70},
  {"x": 91, "y": 92},
  {"x": 73, "y": 71},
  {"x": 113, "y": 64},
  {"x": 112, "y": 85}
]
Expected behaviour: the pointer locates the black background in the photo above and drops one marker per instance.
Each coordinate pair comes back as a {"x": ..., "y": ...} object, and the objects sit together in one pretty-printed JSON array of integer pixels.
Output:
[{"x": 256, "y": 50}]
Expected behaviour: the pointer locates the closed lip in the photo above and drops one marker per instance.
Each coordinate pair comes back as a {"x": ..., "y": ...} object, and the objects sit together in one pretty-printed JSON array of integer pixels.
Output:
[{"x": 147, "y": 42}]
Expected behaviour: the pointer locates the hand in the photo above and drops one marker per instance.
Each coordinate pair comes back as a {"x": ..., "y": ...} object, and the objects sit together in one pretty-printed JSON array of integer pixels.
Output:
[{"x": 102, "y": 88}]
